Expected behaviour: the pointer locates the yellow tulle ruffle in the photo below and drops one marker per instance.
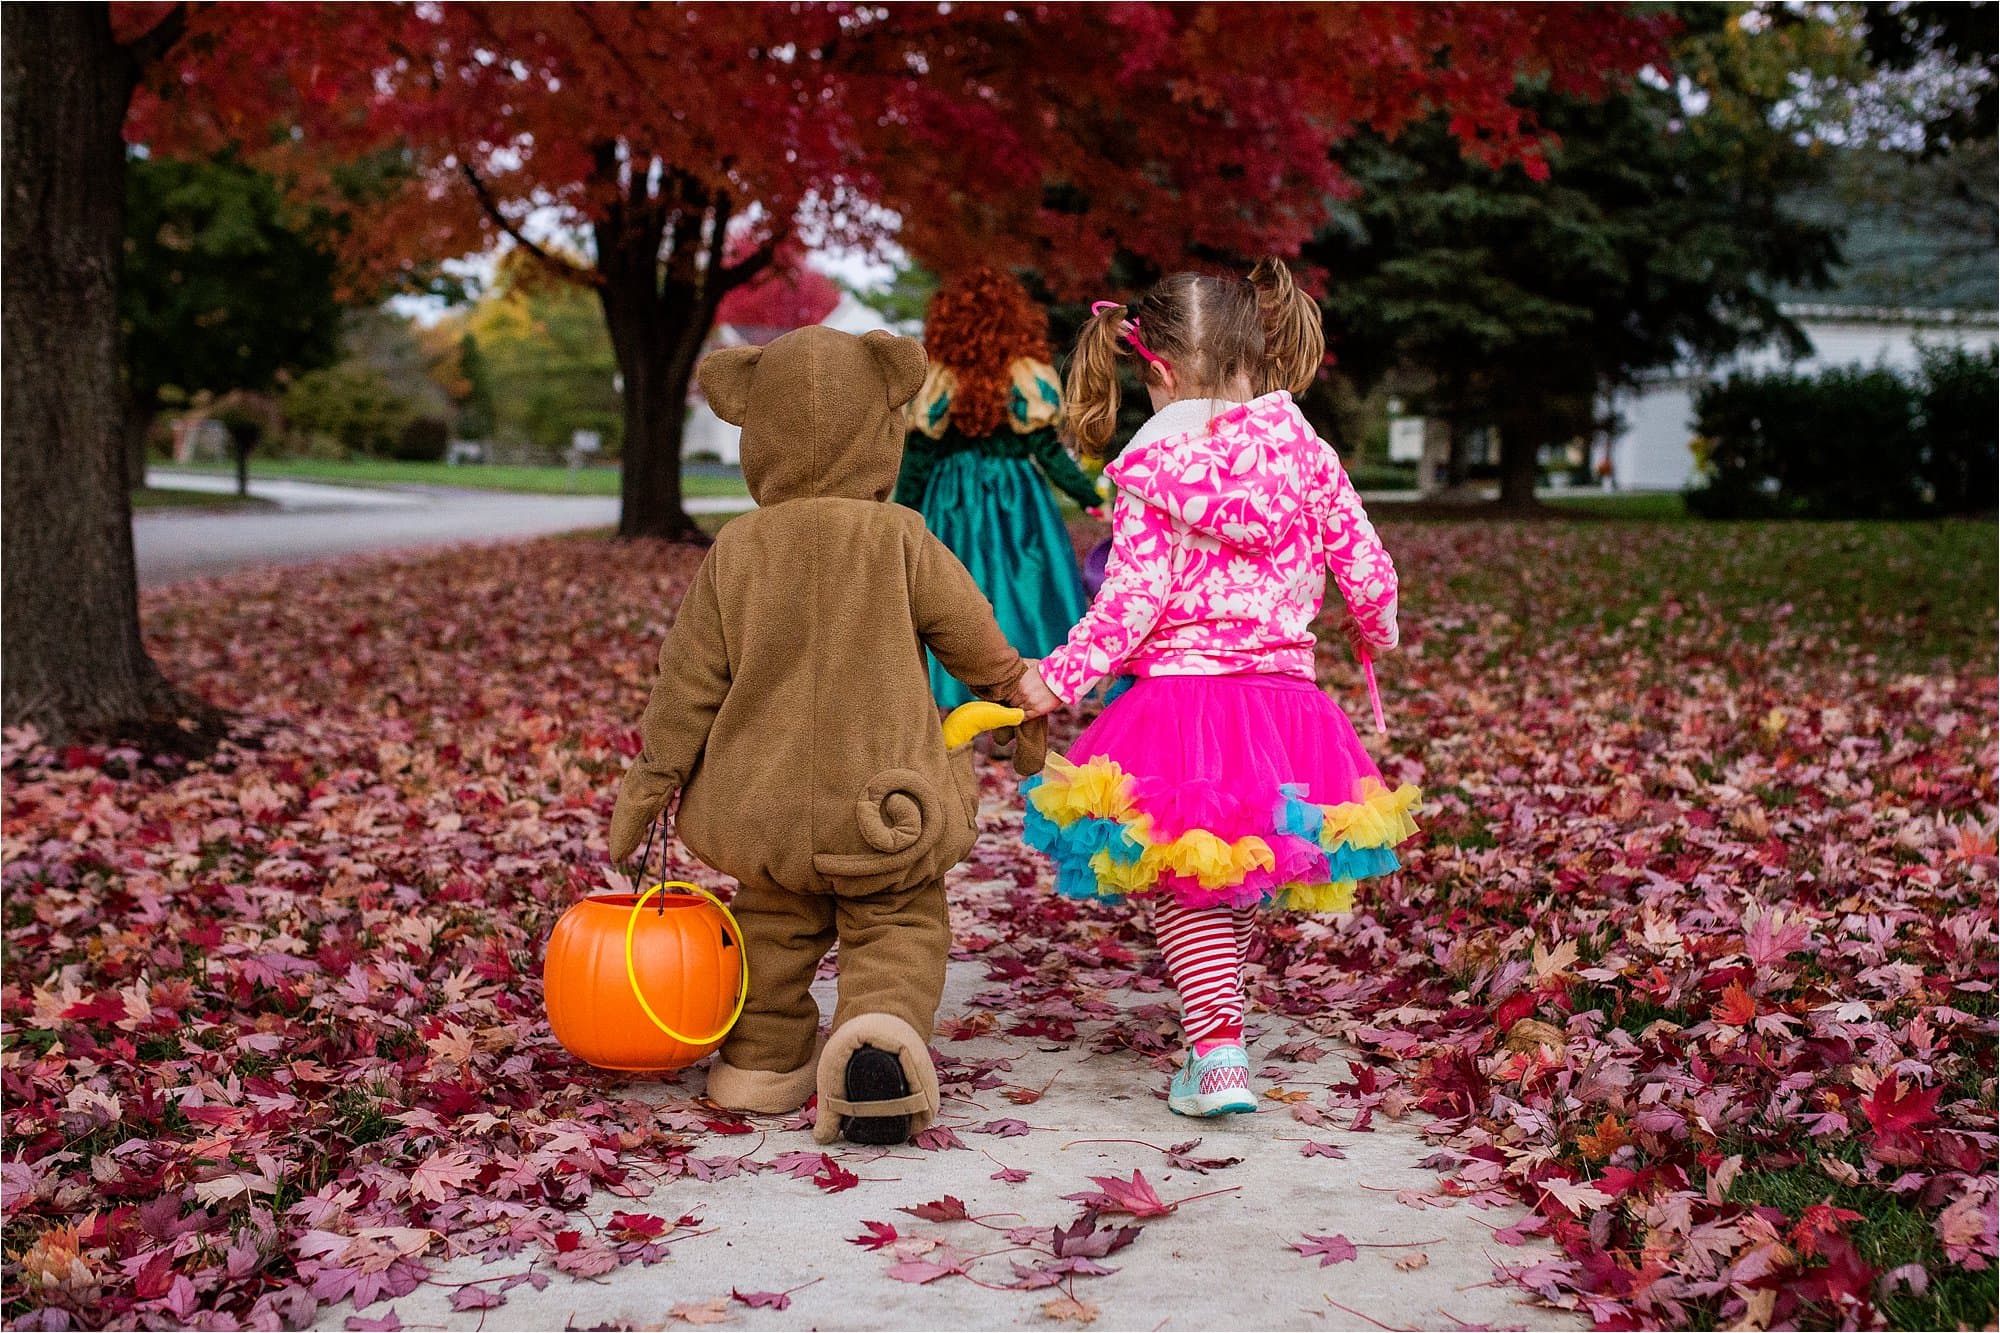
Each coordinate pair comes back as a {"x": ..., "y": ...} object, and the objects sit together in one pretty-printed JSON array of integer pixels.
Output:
[
  {"x": 1381, "y": 818},
  {"x": 1353, "y": 834}
]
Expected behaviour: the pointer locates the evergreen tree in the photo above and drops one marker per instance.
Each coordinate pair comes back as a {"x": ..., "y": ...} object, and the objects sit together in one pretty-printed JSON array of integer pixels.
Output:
[
  {"x": 1659, "y": 236},
  {"x": 224, "y": 288},
  {"x": 475, "y": 406}
]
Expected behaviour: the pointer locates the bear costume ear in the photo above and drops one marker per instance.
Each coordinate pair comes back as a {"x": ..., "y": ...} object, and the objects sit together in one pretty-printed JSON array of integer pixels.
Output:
[
  {"x": 902, "y": 361},
  {"x": 725, "y": 378}
]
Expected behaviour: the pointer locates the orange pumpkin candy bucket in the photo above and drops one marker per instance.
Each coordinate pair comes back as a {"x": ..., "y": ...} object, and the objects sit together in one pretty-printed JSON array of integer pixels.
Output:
[{"x": 645, "y": 982}]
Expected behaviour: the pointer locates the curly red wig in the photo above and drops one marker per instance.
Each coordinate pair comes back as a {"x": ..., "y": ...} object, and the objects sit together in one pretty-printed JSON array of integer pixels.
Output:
[{"x": 980, "y": 323}]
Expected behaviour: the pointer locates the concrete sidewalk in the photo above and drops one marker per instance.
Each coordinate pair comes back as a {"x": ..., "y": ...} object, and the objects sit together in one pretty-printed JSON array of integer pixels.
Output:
[
  {"x": 287, "y": 493},
  {"x": 1220, "y": 1262}
]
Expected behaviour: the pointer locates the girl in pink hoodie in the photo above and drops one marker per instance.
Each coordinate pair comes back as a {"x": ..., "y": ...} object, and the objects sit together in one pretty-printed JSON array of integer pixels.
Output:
[{"x": 1223, "y": 777}]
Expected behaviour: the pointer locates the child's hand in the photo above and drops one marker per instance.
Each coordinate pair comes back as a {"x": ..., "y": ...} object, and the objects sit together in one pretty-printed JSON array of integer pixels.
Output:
[
  {"x": 1036, "y": 699},
  {"x": 1356, "y": 641}
]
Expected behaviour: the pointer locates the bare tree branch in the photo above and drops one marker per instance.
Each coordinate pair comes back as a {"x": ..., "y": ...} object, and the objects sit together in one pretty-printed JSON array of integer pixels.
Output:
[
  {"x": 748, "y": 267},
  {"x": 567, "y": 269},
  {"x": 714, "y": 274},
  {"x": 145, "y": 50}
]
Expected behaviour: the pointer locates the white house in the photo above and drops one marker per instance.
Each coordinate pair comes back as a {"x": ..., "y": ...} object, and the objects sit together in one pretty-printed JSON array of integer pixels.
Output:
[
  {"x": 1651, "y": 449},
  {"x": 709, "y": 434}
]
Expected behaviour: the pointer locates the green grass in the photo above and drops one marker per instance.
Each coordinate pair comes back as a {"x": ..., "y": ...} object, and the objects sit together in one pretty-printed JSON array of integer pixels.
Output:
[
  {"x": 600, "y": 480},
  {"x": 1382, "y": 477},
  {"x": 1914, "y": 593},
  {"x": 1649, "y": 506},
  {"x": 154, "y": 497},
  {"x": 1889, "y": 1235}
]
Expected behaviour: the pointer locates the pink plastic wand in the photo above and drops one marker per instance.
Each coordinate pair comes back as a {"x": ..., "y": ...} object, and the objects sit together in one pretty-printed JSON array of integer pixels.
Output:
[{"x": 1374, "y": 692}]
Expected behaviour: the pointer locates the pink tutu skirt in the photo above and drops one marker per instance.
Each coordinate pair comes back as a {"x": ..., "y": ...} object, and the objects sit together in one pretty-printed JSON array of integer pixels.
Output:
[{"x": 1223, "y": 791}]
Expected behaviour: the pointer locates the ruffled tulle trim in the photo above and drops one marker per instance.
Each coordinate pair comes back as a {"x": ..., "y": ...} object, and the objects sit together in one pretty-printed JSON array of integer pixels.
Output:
[{"x": 1107, "y": 834}]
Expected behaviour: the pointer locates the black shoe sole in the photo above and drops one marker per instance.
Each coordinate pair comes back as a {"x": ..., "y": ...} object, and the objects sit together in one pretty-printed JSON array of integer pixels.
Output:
[{"x": 875, "y": 1076}]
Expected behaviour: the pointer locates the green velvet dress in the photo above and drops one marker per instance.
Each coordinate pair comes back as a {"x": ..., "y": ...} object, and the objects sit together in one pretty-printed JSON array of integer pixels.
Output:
[{"x": 988, "y": 500}]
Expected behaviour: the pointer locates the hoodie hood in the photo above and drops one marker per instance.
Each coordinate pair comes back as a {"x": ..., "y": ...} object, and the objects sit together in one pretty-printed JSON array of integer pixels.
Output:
[
  {"x": 820, "y": 411},
  {"x": 1241, "y": 477}
]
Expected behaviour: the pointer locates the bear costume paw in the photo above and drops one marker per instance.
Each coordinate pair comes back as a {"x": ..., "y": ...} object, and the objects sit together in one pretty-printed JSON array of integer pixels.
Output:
[{"x": 876, "y": 1083}]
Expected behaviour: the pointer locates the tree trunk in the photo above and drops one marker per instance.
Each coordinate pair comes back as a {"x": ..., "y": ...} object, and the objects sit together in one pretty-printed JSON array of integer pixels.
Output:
[
  {"x": 1458, "y": 455},
  {"x": 658, "y": 364},
  {"x": 72, "y": 658},
  {"x": 1520, "y": 449},
  {"x": 657, "y": 330}
]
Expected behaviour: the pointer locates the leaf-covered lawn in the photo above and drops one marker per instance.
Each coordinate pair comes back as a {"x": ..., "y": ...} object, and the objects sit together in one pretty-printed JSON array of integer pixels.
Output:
[{"x": 1696, "y": 957}]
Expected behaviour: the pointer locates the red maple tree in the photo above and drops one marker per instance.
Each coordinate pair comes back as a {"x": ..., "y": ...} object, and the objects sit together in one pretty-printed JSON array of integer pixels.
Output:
[
  {"x": 666, "y": 155},
  {"x": 781, "y": 298}
]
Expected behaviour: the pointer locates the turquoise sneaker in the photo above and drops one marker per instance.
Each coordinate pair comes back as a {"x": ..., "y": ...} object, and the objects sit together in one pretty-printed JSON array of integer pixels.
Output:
[{"x": 1214, "y": 1084}]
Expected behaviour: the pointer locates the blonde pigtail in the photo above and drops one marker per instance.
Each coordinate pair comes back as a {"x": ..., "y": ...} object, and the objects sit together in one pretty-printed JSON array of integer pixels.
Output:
[
  {"x": 1294, "y": 338},
  {"x": 1090, "y": 389}
]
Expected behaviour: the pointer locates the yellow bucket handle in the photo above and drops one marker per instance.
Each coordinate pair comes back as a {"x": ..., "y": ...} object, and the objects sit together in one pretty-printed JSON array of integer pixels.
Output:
[{"x": 742, "y": 958}]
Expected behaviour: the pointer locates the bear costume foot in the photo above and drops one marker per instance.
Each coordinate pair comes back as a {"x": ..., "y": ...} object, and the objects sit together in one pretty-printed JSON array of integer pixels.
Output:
[
  {"x": 761, "y": 1091},
  {"x": 876, "y": 1083},
  {"x": 873, "y": 1077}
]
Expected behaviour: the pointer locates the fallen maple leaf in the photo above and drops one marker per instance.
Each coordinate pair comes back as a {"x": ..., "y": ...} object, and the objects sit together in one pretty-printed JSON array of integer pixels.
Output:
[
  {"x": 702, "y": 1312},
  {"x": 799, "y": 1165},
  {"x": 763, "y": 1300},
  {"x": 1180, "y": 1157},
  {"x": 874, "y": 1236},
  {"x": 387, "y": 1323},
  {"x": 1897, "y": 1112},
  {"x": 1084, "y": 1239},
  {"x": 1574, "y": 1196},
  {"x": 1134, "y": 1196},
  {"x": 921, "y": 1271},
  {"x": 1553, "y": 962},
  {"x": 1329, "y": 1250},
  {"x": 1071, "y": 1310},
  {"x": 1737, "y": 1008},
  {"x": 636, "y": 1226},
  {"x": 1411, "y": 1262},
  {"x": 948, "y": 1209},
  {"x": 1312, "y": 1148},
  {"x": 833, "y": 1177}
]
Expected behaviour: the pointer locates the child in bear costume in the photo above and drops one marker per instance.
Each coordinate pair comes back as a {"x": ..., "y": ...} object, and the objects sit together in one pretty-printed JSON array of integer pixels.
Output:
[{"x": 793, "y": 714}]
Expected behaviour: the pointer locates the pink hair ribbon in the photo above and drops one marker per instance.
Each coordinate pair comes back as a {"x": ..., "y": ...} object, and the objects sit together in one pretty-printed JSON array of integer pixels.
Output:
[
  {"x": 1374, "y": 691},
  {"x": 1130, "y": 329}
]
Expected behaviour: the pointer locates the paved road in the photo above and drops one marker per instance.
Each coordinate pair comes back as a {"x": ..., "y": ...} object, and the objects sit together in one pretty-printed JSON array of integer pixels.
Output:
[{"x": 315, "y": 521}]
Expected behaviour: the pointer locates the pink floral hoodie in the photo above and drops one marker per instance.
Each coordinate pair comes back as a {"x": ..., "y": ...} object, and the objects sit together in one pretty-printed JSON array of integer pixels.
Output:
[{"x": 1222, "y": 538}]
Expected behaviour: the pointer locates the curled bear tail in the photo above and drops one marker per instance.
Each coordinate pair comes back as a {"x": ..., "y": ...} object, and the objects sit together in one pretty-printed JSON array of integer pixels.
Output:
[{"x": 901, "y": 815}]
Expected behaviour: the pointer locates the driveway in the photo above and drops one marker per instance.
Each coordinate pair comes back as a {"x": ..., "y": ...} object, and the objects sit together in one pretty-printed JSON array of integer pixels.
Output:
[{"x": 314, "y": 521}]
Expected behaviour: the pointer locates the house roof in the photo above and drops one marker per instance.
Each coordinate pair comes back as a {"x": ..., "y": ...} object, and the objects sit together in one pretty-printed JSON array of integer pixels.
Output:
[{"x": 1913, "y": 239}]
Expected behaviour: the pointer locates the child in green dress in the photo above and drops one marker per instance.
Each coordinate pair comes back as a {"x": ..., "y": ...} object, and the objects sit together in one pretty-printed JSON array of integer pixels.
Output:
[{"x": 981, "y": 455}]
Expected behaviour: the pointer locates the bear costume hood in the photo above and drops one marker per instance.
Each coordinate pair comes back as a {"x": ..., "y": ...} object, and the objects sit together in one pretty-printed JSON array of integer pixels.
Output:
[{"x": 812, "y": 435}]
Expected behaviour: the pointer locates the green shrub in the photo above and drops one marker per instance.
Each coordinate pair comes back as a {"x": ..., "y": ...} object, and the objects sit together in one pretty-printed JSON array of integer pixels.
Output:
[
  {"x": 1849, "y": 442},
  {"x": 424, "y": 440},
  {"x": 351, "y": 404},
  {"x": 1961, "y": 454}
]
